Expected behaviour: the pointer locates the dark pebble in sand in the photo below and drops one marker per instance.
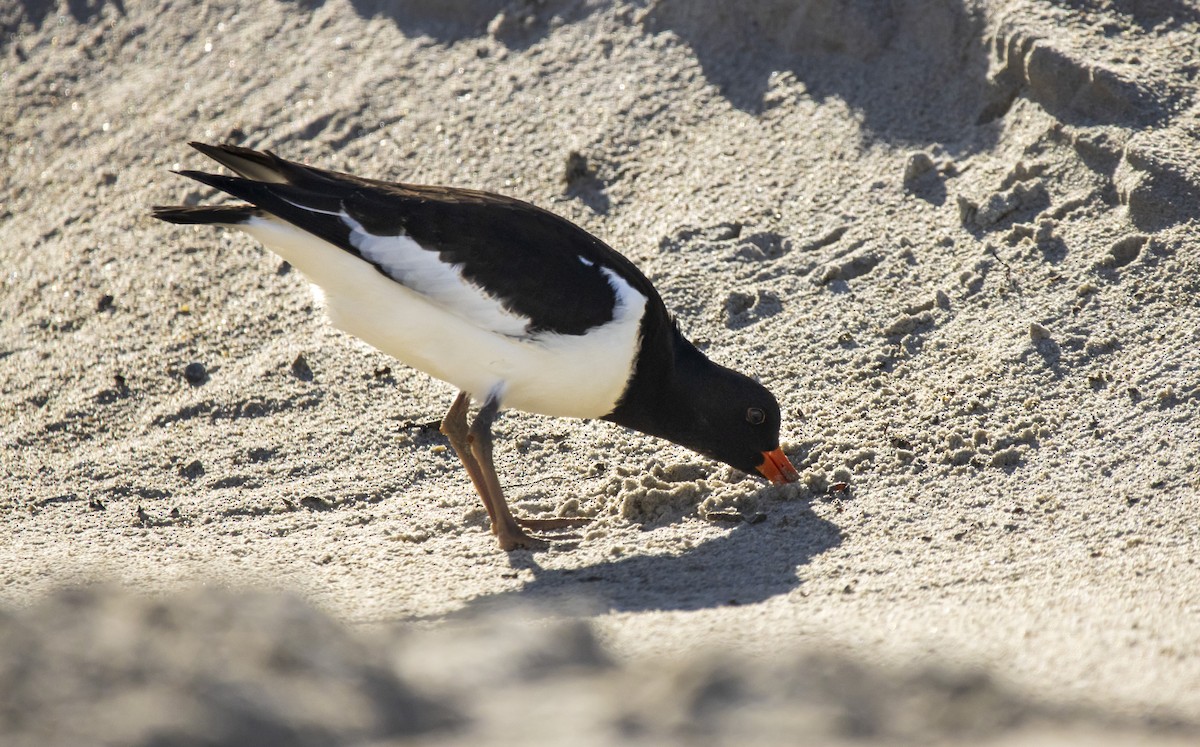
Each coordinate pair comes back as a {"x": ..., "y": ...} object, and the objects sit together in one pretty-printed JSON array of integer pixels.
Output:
[
  {"x": 192, "y": 470},
  {"x": 301, "y": 369},
  {"x": 195, "y": 373}
]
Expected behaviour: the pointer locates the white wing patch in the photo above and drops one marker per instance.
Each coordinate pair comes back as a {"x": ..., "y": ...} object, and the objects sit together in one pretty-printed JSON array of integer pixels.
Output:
[
  {"x": 580, "y": 376},
  {"x": 424, "y": 271}
]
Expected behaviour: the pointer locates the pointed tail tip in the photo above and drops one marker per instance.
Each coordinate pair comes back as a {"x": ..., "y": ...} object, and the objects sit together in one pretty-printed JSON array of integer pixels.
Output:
[
  {"x": 170, "y": 213},
  {"x": 228, "y": 215}
]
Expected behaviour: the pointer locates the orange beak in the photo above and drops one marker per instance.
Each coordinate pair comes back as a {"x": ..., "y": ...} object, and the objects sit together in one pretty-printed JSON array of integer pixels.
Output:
[{"x": 776, "y": 468}]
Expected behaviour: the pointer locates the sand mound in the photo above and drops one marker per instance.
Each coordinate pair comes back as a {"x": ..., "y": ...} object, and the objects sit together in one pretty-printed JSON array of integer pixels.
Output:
[
  {"x": 104, "y": 667},
  {"x": 100, "y": 666}
]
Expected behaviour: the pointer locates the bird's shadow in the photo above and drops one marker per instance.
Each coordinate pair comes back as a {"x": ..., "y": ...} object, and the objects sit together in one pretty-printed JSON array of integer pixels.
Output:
[{"x": 750, "y": 563}]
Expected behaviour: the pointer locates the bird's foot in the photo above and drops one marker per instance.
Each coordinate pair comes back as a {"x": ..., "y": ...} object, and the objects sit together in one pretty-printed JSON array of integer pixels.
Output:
[{"x": 515, "y": 538}]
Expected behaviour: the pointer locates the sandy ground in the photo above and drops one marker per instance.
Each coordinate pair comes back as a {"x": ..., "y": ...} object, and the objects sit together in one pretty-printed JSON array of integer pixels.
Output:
[{"x": 956, "y": 239}]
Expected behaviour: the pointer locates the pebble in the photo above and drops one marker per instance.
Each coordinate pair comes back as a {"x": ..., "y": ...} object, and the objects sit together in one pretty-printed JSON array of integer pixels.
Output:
[{"x": 195, "y": 373}]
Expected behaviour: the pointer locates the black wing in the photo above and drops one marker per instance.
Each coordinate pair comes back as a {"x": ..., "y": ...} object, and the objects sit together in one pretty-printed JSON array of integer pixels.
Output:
[{"x": 536, "y": 264}]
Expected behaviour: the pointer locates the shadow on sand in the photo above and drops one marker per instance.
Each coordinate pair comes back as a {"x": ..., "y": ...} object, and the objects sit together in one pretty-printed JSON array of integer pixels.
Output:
[
  {"x": 515, "y": 23},
  {"x": 751, "y": 563},
  {"x": 35, "y": 12},
  {"x": 915, "y": 70}
]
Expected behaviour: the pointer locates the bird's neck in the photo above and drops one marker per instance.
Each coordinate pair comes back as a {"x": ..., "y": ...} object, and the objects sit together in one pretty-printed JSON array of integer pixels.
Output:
[{"x": 667, "y": 382}]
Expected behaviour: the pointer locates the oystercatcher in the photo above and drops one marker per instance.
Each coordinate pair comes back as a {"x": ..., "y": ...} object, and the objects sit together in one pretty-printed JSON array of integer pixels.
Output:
[{"x": 513, "y": 305}]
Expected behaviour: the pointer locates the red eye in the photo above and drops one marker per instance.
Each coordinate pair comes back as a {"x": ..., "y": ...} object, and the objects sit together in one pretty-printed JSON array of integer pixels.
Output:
[{"x": 755, "y": 416}]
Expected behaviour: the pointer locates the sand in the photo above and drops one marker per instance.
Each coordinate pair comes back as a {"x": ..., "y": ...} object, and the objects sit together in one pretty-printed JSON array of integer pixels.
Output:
[{"x": 956, "y": 239}]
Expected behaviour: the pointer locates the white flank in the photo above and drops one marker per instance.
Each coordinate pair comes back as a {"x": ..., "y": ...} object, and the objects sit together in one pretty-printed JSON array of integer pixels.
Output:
[{"x": 478, "y": 350}]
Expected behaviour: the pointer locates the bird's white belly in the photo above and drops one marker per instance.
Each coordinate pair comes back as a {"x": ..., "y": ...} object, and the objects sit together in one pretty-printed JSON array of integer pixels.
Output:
[{"x": 580, "y": 376}]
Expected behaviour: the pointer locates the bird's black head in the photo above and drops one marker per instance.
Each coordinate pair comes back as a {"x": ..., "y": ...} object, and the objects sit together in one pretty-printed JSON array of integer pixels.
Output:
[
  {"x": 735, "y": 420},
  {"x": 712, "y": 410}
]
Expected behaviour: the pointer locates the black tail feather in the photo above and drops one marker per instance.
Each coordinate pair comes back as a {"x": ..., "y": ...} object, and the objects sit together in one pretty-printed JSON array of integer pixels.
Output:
[
  {"x": 316, "y": 212},
  {"x": 251, "y": 164},
  {"x": 309, "y": 198},
  {"x": 229, "y": 215}
]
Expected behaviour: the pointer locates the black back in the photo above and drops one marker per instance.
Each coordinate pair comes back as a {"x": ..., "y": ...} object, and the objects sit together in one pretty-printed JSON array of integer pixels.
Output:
[{"x": 527, "y": 258}]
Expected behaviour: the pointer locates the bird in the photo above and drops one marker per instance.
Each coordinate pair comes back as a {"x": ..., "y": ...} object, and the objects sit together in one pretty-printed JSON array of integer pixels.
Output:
[{"x": 513, "y": 305}]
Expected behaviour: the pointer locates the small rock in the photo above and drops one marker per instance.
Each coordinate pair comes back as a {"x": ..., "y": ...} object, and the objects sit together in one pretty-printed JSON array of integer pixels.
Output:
[
  {"x": 195, "y": 373},
  {"x": 300, "y": 368},
  {"x": 192, "y": 470}
]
